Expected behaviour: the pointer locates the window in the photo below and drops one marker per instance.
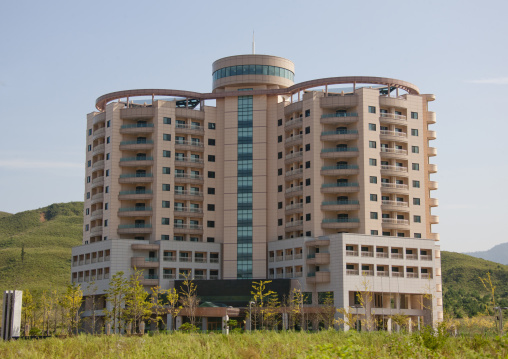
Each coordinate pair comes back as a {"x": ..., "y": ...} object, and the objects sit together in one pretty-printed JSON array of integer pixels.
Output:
[
  {"x": 105, "y": 223},
  {"x": 166, "y": 153},
  {"x": 416, "y": 184},
  {"x": 211, "y": 190},
  {"x": 211, "y": 142},
  {"x": 307, "y": 147},
  {"x": 166, "y": 170},
  {"x": 372, "y": 109},
  {"x": 279, "y": 188},
  {"x": 373, "y": 197},
  {"x": 106, "y": 206},
  {"x": 279, "y": 122},
  {"x": 372, "y": 127},
  {"x": 372, "y": 144},
  {"x": 373, "y": 215},
  {"x": 372, "y": 162},
  {"x": 307, "y": 217},
  {"x": 417, "y": 219},
  {"x": 211, "y": 158},
  {"x": 279, "y": 139},
  {"x": 400, "y": 234},
  {"x": 374, "y": 232},
  {"x": 164, "y": 237},
  {"x": 307, "y": 164},
  {"x": 89, "y": 148},
  {"x": 211, "y": 207},
  {"x": 89, "y": 132},
  {"x": 211, "y": 125},
  {"x": 416, "y": 201},
  {"x": 307, "y": 199},
  {"x": 279, "y": 172},
  {"x": 166, "y": 187},
  {"x": 414, "y": 115},
  {"x": 166, "y": 120},
  {"x": 279, "y": 155},
  {"x": 108, "y": 139},
  {"x": 414, "y": 132},
  {"x": 307, "y": 130},
  {"x": 279, "y": 222},
  {"x": 279, "y": 205},
  {"x": 87, "y": 226},
  {"x": 415, "y": 149},
  {"x": 165, "y": 221},
  {"x": 307, "y": 181},
  {"x": 373, "y": 179},
  {"x": 106, "y": 190},
  {"x": 307, "y": 113},
  {"x": 210, "y": 224},
  {"x": 89, "y": 163},
  {"x": 416, "y": 166},
  {"x": 166, "y": 137},
  {"x": 418, "y": 235},
  {"x": 107, "y": 156},
  {"x": 88, "y": 179},
  {"x": 165, "y": 204},
  {"x": 211, "y": 174}
]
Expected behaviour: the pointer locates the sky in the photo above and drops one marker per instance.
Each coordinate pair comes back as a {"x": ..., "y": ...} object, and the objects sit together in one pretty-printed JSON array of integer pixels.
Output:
[{"x": 57, "y": 57}]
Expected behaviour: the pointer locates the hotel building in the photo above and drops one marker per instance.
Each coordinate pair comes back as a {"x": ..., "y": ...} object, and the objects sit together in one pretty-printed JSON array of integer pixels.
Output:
[{"x": 326, "y": 183}]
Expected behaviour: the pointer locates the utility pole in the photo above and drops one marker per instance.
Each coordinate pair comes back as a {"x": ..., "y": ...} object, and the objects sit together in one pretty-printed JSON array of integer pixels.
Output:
[{"x": 501, "y": 318}]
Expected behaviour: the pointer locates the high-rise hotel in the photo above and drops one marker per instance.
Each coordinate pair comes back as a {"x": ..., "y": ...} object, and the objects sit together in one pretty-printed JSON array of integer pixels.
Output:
[{"x": 325, "y": 183}]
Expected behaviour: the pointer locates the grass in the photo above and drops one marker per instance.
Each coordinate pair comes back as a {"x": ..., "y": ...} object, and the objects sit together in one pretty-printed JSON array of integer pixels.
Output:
[{"x": 325, "y": 344}]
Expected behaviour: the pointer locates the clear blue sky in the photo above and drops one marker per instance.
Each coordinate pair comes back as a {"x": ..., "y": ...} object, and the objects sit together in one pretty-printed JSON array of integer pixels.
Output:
[{"x": 57, "y": 57}]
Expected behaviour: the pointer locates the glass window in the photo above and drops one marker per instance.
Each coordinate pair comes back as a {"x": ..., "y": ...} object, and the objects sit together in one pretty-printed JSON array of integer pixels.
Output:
[
  {"x": 165, "y": 221},
  {"x": 416, "y": 184},
  {"x": 374, "y": 232},
  {"x": 166, "y": 187},
  {"x": 372, "y": 126},
  {"x": 166, "y": 153},
  {"x": 373, "y": 179},
  {"x": 166, "y": 120},
  {"x": 416, "y": 166},
  {"x": 165, "y": 204},
  {"x": 414, "y": 132},
  {"x": 166, "y": 170},
  {"x": 417, "y": 219},
  {"x": 415, "y": 149},
  {"x": 372, "y": 109},
  {"x": 372, "y": 144},
  {"x": 373, "y": 215},
  {"x": 211, "y": 126},
  {"x": 372, "y": 162},
  {"x": 416, "y": 201},
  {"x": 414, "y": 115},
  {"x": 418, "y": 235},
  {"x": 373, "y": 197}
]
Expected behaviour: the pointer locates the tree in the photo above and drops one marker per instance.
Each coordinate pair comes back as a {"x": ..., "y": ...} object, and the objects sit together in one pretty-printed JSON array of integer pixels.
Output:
[
  {"x": 157, "y": 305},
  {"x": 189, "y": 299},
  {"x": 115, "y": 296},
  {"x": 296, "y": 299},
  {"x": 28, "y": 310},
  {"x": 71, "y": 301},
  {"x": 137, "y": 307},
  {"x": 173, "y": 308},
  {"x": 326, "y": 313},
  {"x": 260, "y": 297},
  {"x": 92, "y": 290}
]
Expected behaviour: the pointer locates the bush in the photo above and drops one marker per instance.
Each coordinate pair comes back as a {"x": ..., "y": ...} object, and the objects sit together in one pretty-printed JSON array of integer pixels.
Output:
[{"x": 188, "y": 328}]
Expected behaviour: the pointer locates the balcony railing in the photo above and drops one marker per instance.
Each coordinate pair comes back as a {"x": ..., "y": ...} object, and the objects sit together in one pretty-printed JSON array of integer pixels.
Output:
[
  {"x": 294, "y": 189},
  {"x": 339, "y": 167},
  {"x": 343, "y": 114},
  {"x": 169, "y": 276},
  {"x": 393, "y": 116},
  {"x": 134, "y": 175},
  {"x": 294, "y": 206},
  {"x": 138, "y": 191},
  {"x": 188, "y": 226},
  {"x": 137, "y": 158},
  {"x": 369, "y": 273},
  {"x": 293, "y": 122},
  {"x": 411, "y": 275},
  {"x": 425, "y": 257},
  {"x": 137, "y": 225},
  {"x": 352, "y": 253},
  {"x": 279, "y": 258},
  {"x": 352, "y": 272},
  {"x": 397, "y": 256},
  {"x": 169, "y": 258},
  {"x": 189, "y": 193},
  {"x": 294, "y": 172},
  {"x": 189, "y": 209},
  {"x": 397, "y": 274},
  {"x": 151, "y": 259},
  {"x": 214, "y": 276},
  {"x": 339, "y": 132},
  {"x": 294, "y": 138},
  {"x": 394, "y": 185},
  {"x": 189, "y": 159},
  {"x": 188, "y": 143},
  {"x": 395, "y": 203},
  {"x": 298, "y": 256},
  {"x": 294, "y": 155},
  {"x": 341, "y": 220},
  {"x": 339, "y": 149},
  {"x": 151, "y": 276},
  {"x": 289, "y": 257},
  {"x": 393, "y": 150},
  {"x": 393, "y": 168},
  {"x": 294, "y": 224},
  {"x": 132, "y": 209},
  {"x": 340, "y": 184},
  {"x": 140, "y": 125},
  {"x": 367, "y": 254},
  {"x": 393, "y": 133},
  {"x": 185, "y": 259},
  {"x": 214, "y": 260},
  {"x": 382, "y": 273},
  {"x": 395, "y": 221},
  {"x": 199, "y": 260},
  {"x": 381, "y": 255},
  {"x": 340, "y": 203},
  {"x": 189, "y": 176},
  {"x": 412, "y": 256},
  {"x": 189, "y": 127},
  {"x": 137, "y": 142}
]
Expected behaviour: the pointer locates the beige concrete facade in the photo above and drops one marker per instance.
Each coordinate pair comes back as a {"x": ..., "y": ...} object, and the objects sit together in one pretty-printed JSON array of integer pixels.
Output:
[{"x": 166, "y": 171}]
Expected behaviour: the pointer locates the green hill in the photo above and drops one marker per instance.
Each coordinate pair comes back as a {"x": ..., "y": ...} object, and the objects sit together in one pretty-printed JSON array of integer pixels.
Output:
[
  {"x": 4, "y": 214},
  {"x": 46, "y": 236}
]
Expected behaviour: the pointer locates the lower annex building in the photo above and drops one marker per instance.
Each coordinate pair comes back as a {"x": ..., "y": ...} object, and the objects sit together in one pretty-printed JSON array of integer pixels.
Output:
[{"x": 326, "y": 187}]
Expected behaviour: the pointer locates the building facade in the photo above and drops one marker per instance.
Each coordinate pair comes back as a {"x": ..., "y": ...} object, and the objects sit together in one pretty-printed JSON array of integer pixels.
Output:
[{"x": 217, "y": 185}]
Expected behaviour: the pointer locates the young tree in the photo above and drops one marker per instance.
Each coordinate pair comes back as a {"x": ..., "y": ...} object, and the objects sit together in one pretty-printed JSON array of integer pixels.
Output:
[
  {"x": 137, "y": 307},
  {"x": 92, "y": 290},
  {"x": 28, "y": 310},
  {"x": 72, "y": 301},
  {"x": 115, "y": 297},
  {"x": 189, "y": 299},
  {"x": 327, "y": 311},
  {"x": 173, "y": 308},
  {"x": 157, "y": 305},
  {"x": 260, "y": 296},
  {"x": 296, "y": 314}
]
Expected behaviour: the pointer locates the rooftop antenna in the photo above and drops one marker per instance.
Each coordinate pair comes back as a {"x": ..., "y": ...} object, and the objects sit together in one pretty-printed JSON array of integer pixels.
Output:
[{"x": 253, "y": 43}]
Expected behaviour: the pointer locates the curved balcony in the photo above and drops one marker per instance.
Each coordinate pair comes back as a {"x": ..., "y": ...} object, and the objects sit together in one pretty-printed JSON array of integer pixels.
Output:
[
  {"x": 98, "y": 165},
  {"x": 137, "y": 128},
  {"x": 188, "y": 178},
  {"x": 349, "y": 205},
  {"x": 294, "y": 208},
  {"x": 137, "y": 161},
  {"x": 135, "y": 195},
  {"x": 136, "y": 145},
  {"x": 433, "y": 185},
  {"x": 189, "y": 146},
  {"x": 134, "y": 228},
  {"x": 188, "y": 212},
  {"x": 340, "y": 223},
  {"x": 95, "y": 231},
  {"x": 433, "y": 219},
  {"x": 318, "y": 258},
  {"x": 99, "y": 133},
  {"x": 395, "y": 206},
  {"x": 339, "y": 118},
  {"x": 340, "y": 170},
  {"x": 318, "y": 277},
  {"x": 393, "y": 136},
  {"x": 135, "y": 212},
  {"x": 390, "y": 170},
  {"x": 185, "y": 228},
  {"x": 98, "y": 149},
  {"x": 294, "y": 191},
  {"x": 136, "y": 178},
  {"x": 294, "y": 226},
  {"x": 294, "y": 174},
  {"x": 97, "y": 214},
  {"x": 431, "y": 135},
  {"x": 340, "y": 187},
  {"x": 296, "y": 123},
  {"x": 431, "y": 117},
  {"x": 433, "y": 202},
  {"x": 98, "y": 182},
  {"x": 339, "y": 152},
  {"x": 137, "y": 112},
  {"x": 189, "y": 162},
  {"x": 188, "y": 112},
  {"x": 434, "y": 236},
  {"x": 393, "y": 118},
  {"x": 142, "y": 262},
  {"x": 293, "y": 157},
  {"x": 387, "y": 152},
  {"x": 189, "y": 195},
  {"x": 100, "y": 117},
  {"x": 431, "y": 151},
  {"x": 394, "y": 188},
  {"x": 189, "y": 129},
  {"x": 393, "y": 223},
  {"x": 96, "y": 198},
  {"x": 432, "y": 168},
  {"x": 293, "y": 141},
  {"x": 341, "y": 135}
]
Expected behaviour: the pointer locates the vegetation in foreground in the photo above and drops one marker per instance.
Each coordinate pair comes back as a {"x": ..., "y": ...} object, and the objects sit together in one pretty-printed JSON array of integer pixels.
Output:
[{"x": 325, "y": 344}]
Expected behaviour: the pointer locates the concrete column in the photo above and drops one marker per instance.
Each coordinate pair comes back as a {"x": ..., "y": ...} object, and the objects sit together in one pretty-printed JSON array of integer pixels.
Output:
[
  {"x": 204, "y": 324},
  {"x": 169, "y": 321},
  {"x": 225, "y": 328},
  {"x": 285, "y": 321},
  {"x": 409, "y": 325},
  {"x": 179, "y": 321},
  {"x": 389, "y": 325}
]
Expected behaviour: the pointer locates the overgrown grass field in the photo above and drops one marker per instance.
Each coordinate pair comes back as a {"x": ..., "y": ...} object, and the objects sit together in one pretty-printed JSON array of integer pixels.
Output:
[{"x": 325, "y": 344}]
